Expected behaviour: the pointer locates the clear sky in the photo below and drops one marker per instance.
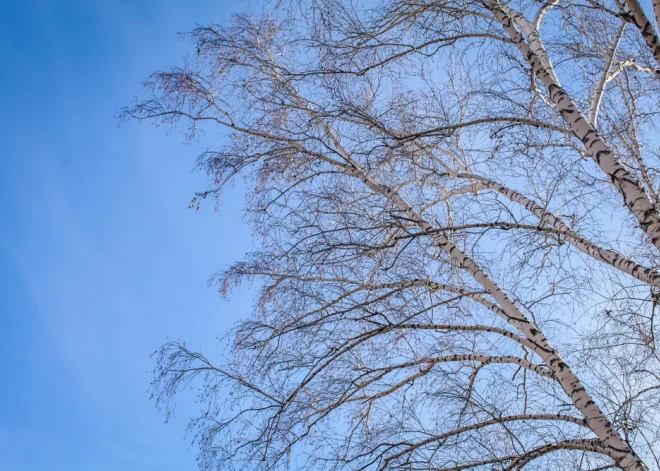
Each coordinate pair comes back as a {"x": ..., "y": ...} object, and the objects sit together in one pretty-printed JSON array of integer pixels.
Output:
[{"x": 100, "y": 261}]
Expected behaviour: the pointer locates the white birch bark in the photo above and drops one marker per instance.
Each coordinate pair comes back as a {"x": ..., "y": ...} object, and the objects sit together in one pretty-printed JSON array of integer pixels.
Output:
[
  {"x": 542, "y": 12},
  {"x": 638, "y": 18},
  {"x": 604, "y": 78},
  {"x": 614, "y": 259},
  {"x": 572, "y": 386},
  {"x": 634, "y": 195}
]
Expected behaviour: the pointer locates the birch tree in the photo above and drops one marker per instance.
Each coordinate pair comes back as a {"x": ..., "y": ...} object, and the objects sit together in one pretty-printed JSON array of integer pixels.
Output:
[{"x": 455, "y": 205}]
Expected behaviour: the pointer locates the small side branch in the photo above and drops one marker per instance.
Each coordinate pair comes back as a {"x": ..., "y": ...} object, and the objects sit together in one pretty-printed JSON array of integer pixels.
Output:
[
  {"x": 597, "y": 98},
  {"x": 487, "y": 423}
]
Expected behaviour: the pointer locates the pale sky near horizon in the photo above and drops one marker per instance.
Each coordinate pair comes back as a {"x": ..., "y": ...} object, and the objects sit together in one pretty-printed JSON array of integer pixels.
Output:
[{"x": 100, "y": 259}]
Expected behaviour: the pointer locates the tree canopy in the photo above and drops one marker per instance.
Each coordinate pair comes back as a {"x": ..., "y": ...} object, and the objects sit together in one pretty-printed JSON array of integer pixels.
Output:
[{"x": 455, "y": 204}]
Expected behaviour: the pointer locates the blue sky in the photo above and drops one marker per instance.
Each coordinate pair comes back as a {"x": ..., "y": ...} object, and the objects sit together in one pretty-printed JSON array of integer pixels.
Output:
[{"x": 100, "y": 261}]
